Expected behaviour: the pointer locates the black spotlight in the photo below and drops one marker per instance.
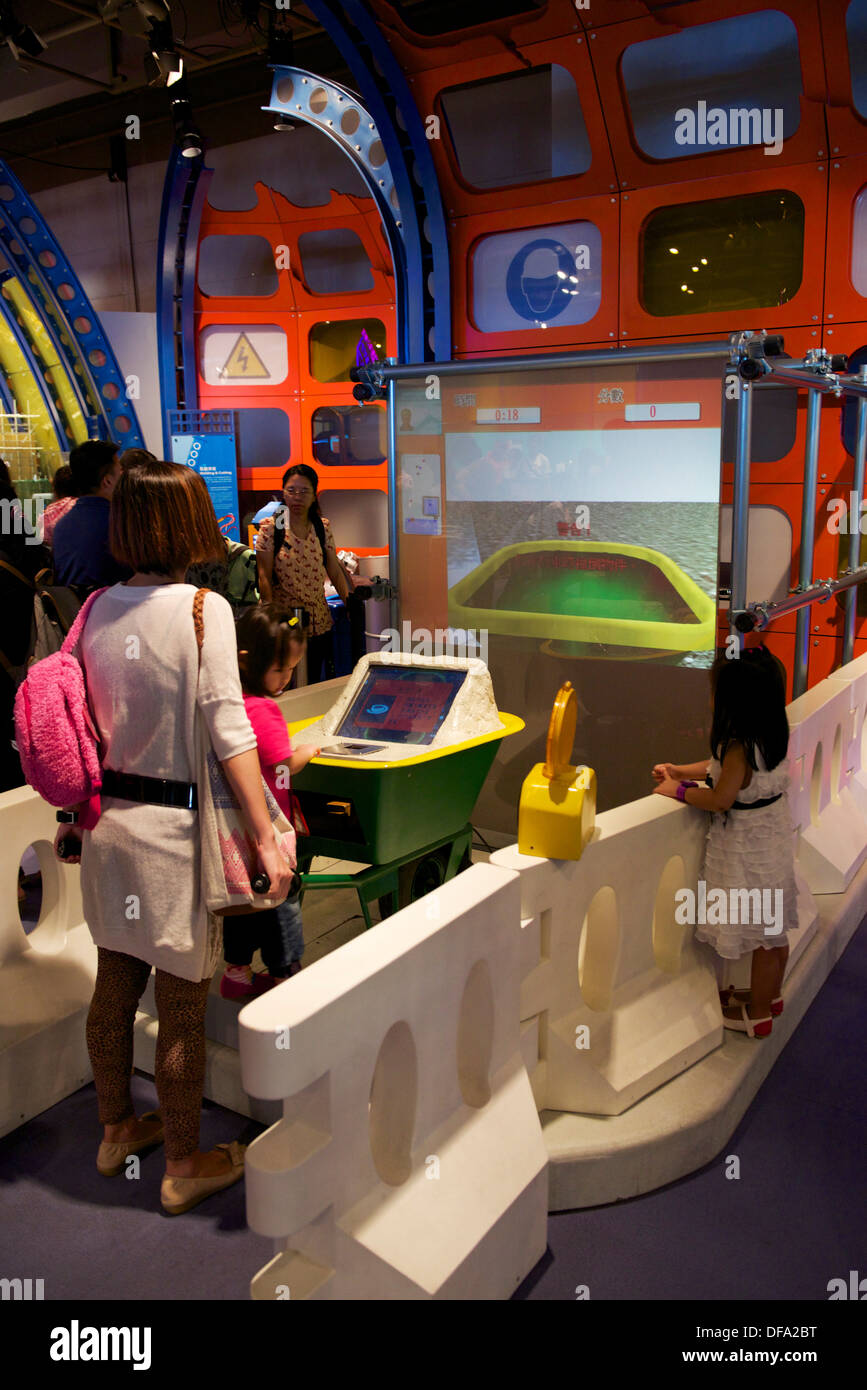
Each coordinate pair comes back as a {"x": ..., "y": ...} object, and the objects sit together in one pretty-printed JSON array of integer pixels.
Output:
[{"x": 187, "y": 136}]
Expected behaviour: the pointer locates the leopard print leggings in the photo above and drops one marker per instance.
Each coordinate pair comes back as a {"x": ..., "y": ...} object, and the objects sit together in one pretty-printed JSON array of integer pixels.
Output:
[{"x": 180, "y": 1053}]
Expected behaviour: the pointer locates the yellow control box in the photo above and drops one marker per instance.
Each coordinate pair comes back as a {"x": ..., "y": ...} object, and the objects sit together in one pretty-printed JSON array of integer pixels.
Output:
[{"x": 557, "y": 809}]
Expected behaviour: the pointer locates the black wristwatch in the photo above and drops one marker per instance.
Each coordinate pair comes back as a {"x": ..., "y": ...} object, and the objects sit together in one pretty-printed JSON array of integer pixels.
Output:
[{"x": 67, "y": 817}]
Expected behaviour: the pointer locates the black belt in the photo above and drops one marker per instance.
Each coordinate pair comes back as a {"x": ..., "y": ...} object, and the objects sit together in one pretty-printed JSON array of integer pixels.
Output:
[
  {"x": 155, "y": 791},
  {"x": 747, "y": 805}
]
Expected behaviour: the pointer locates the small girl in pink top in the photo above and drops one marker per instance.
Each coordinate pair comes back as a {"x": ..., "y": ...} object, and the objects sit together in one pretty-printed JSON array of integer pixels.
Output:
[{"x": 270, "y": 645}]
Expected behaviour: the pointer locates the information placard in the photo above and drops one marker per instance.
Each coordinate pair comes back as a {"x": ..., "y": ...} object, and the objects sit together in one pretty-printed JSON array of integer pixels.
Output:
[{"x": 213, "y": 457}]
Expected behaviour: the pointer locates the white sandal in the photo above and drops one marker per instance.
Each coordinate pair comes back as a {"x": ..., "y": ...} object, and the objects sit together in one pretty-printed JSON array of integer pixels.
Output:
[{"x": 753, "y": 1027}]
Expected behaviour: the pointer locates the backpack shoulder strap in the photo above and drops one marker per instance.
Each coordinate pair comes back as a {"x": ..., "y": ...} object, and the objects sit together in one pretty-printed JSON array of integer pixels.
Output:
[{"x": 73, "y": 636}]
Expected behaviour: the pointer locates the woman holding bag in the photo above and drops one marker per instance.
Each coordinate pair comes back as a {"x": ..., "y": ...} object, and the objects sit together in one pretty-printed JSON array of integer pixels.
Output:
[{"x": 149, "y": 687}]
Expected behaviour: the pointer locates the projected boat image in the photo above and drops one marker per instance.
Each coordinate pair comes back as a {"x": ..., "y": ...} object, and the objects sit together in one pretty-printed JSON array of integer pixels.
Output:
[{"x": 582, "y": 594}]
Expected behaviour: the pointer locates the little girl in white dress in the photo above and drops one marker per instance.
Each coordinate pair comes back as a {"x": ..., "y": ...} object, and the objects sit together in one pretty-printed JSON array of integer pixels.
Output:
[{"x": 747, "y": 897}]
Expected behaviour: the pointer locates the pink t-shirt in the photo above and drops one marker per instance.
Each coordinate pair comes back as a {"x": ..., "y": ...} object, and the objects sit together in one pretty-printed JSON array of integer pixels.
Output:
[{"x": 273, "y": 743}]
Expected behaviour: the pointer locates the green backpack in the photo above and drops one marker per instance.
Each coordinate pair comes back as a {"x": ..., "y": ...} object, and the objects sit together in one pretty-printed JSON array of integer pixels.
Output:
[{"x": 241, "y": 580}]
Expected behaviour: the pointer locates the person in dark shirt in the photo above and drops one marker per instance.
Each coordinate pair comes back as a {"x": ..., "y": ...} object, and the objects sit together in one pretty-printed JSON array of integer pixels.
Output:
[{"x": 81, "y": 554}]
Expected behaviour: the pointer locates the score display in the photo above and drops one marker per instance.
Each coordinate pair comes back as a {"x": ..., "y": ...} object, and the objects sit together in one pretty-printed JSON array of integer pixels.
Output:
[{"x": 401, "y": 704}]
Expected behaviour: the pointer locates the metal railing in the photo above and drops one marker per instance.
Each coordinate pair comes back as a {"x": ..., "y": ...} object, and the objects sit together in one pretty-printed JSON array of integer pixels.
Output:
[{"x": 747, "y": 354}]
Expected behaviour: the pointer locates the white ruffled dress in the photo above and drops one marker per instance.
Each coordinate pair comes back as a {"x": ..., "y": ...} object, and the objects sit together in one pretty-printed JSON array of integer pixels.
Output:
[{"x": 748, "y": 849}]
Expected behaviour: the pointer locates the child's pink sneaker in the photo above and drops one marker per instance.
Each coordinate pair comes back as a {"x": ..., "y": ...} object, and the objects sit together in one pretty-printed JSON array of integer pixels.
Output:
[{"x": 233, "y": 987}]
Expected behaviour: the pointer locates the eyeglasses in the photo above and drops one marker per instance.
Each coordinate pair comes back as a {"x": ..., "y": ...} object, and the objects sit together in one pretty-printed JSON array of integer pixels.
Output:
[{"x": 298, "y": 491}]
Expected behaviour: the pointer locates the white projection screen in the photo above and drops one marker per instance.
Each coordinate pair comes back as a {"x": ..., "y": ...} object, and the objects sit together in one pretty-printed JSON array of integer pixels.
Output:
[{"x": 570, "y": 519}]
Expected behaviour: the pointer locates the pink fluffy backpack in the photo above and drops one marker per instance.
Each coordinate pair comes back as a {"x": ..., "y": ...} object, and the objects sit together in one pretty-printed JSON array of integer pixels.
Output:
[{"x": 56, "y": 738}]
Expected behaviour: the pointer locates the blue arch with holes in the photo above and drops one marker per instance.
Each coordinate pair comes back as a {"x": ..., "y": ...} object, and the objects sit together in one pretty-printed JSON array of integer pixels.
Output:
[
  {"x": 66, "y": 312},
  {"x": 424, "y": 297},
  {"x": 391, "y": 151}
]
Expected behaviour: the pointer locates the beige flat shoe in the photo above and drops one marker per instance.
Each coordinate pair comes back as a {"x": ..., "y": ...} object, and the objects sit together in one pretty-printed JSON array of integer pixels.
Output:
[
  {"x": 111, "y": 1158},
  {"x": 182, "y": 1194}
]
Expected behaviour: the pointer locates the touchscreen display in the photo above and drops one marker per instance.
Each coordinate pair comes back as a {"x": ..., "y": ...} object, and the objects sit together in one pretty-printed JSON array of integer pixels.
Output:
[{"x": 401, "y": 704}]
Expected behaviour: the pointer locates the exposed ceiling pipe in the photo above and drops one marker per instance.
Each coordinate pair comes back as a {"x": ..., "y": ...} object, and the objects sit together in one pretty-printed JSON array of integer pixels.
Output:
[
  {"x": 66, "y": 31},
  {"x": 26, "y": 61}
]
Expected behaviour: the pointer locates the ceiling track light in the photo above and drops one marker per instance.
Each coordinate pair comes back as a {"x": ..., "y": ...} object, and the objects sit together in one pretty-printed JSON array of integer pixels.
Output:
[{"x": 187, "y": 136}]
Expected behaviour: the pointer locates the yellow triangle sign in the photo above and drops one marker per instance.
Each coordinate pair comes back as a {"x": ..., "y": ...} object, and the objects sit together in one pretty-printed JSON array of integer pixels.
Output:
[{"x": 244, "y": 361}]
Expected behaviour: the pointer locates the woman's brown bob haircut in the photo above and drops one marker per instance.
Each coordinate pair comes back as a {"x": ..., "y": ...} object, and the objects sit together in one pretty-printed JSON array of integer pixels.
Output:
[
  {"x": 265, "y": 635},
  {"x": 162, "y": 519}
]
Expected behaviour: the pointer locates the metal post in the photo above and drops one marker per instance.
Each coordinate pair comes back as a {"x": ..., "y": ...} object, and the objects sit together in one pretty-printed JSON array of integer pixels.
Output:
[
  {"x": 741, "y": 503},
  {"x": 855, "y": 522},
  {"x": 808, "y": 527},
  {"x": 393, "y": 510}
]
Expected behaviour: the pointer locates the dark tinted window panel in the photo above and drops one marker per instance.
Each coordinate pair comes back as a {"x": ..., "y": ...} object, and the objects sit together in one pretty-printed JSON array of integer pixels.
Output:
[
  {"x": 849, "y": 421},
  {"x": 522, "y": 128},
  {"x": 365, "y": 436},
  {"x": 334, "y": 346},
  {"x": 449, "y": 16},
  {"x": 334, "y": 261},
  {"x": 237, "y": 265},
  {"x": 349, "y": 436},
  {"x": 723, "y": 254},
  {"x": 859, "y": 242},
  {"x": 775, "y": 421},
  {"x": 745, "y": 68},
  {"x": 856, "y": 38},
  {"x": 263, "y": 438}
]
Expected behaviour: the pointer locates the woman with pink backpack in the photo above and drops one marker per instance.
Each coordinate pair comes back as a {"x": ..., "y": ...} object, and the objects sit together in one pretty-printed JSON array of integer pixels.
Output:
[{"x": 149, "y": 684}]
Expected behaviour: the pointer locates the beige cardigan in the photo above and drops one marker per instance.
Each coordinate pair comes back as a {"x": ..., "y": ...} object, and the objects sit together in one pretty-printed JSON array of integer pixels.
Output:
[{"x": 140, "y": 869}]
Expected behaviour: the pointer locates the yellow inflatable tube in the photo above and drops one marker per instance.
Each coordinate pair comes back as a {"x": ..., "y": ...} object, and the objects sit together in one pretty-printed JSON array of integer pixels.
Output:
[
  {"x": 697, "y": 635},
  {"x": 44, "y": 349}
]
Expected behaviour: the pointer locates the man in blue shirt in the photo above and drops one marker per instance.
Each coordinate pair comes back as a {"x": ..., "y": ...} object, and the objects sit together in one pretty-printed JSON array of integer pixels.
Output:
[{"x": 81, "y": 554}]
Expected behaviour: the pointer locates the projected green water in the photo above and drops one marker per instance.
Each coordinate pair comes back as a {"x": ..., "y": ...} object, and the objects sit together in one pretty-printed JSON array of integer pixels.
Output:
[{"x": 604, "y": 586}]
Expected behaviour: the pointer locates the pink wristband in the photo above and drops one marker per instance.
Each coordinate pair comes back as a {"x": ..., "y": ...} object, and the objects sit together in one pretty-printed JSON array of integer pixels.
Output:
[{"x": 682, "y": 789}]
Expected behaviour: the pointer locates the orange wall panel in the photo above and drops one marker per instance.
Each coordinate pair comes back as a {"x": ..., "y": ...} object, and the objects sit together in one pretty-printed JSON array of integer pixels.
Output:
[
  {"x": 847, "y": 128},
  {"x": 465, "y": 232},
  {"x": 637, "y": 170},
  {"x": 808, "y": 182}
]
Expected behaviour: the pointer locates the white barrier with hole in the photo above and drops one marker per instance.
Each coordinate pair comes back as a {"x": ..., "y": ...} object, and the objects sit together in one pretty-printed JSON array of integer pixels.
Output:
[
  {"x": 409, "y": 1163},
  {"x": 46, "y": 977},
  {"x": 854, "y": 770},
  {"x": 832, "y": 832},
  {"x": 622, "y": 997},
  {"x": 644, "y": 991}
]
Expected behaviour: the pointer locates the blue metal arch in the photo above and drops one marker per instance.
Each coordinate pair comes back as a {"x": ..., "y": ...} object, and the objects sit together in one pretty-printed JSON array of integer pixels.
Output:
[
  {"x": 293, "y": 93},
  {"x": 57, "y": 296},
  {"x": 424, "y": 297},
  {"x": 7, "y": 400},
  {"x": 184, "y": 190}
]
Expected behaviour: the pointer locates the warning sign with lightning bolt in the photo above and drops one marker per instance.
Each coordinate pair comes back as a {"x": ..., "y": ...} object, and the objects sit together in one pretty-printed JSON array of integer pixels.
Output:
[{"x": 244, "y": 361}]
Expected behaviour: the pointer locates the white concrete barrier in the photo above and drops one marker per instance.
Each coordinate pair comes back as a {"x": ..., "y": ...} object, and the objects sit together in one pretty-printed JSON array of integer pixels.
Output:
[
  {"x": 46, "y": 977},
  {"x": 854, "y": 763},
  {"x": 616, "y": 1000},
  {"x": 832, "y": 831},
  {"x": 623, "y": 997},
  {"x": 409, "y": 1163}
]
